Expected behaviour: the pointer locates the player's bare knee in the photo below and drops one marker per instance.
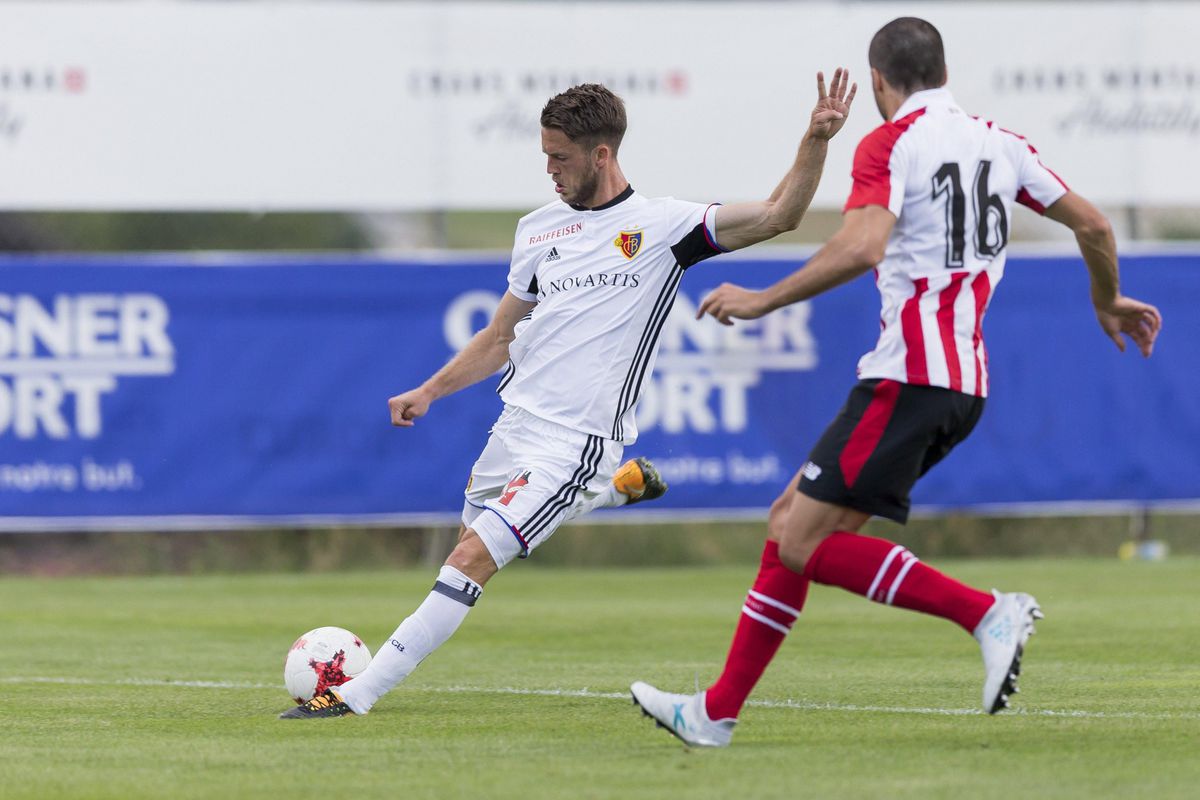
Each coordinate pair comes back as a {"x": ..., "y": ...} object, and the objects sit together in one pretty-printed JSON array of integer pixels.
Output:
[
  {"x": 794, "y": 552},
  {"x": 472, "y": 558},
  {"x": 799, "y": 546},
  {"x": 777, "y": 519}
]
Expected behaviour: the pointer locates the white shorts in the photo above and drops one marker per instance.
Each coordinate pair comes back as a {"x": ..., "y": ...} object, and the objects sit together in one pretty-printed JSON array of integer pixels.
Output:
[{"x": 532, "y": 476}]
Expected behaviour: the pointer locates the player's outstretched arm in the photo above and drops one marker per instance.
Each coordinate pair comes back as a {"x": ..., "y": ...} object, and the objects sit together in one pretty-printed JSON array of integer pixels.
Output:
[
  {"x": 484, "y": 354},
  {"x": 856, "y": 248},
  {"x": 1116, "y": 313},
  {"x": 743, "y": 224}
]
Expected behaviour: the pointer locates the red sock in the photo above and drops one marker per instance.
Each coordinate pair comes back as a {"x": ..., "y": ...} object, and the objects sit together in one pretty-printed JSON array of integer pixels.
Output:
[
  {"x": 771, "y": 608},
  {"x": 887, "y": 573}
]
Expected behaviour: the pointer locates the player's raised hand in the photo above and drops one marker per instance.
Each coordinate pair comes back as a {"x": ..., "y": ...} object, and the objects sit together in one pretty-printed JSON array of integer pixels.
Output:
[
  {"x": 408, "y": 406},
  {"x": 728, "y": 302},
  {"x": 1140, "y": 321},
  {"x": 833, "y": 107}
]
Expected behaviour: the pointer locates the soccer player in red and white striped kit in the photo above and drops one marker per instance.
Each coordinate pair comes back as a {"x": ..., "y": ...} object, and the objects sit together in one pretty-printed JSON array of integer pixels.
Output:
[{"x": 933, "y": 189}]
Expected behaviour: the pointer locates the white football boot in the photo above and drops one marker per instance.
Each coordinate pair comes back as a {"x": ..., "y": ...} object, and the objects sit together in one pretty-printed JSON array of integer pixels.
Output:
[
  {"x": 683, "y": 715},
  {"x": 1002, "y": 634}
]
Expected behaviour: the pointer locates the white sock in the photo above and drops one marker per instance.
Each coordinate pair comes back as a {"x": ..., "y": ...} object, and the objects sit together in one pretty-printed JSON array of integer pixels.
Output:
[
  {"x": 427, "y": 629},
  {"x": 609, "y": 498}
]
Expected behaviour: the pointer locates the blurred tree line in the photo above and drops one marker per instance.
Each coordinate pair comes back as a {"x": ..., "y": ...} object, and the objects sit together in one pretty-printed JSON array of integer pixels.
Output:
[
  {"x": 108, "y": 232},
  {"x": 137, "y": 231}
]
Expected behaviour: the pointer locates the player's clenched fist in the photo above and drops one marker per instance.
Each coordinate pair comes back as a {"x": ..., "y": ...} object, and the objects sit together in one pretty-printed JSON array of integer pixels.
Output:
[{"x": 408, "y": 406}]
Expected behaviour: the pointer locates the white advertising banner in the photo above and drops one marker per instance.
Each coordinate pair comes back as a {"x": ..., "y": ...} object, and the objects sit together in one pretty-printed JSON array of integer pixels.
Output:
[{"x": 373, "y": 106}]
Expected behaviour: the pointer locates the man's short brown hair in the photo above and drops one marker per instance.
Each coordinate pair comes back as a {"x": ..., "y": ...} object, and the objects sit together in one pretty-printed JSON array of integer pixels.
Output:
[
  {"x": 908, "y": 52},
  {"x": 588, "y": 114}
]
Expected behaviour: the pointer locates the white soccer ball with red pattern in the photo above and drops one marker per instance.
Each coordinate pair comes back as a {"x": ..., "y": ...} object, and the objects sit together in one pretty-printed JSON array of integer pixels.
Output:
[{"x": 322, "y": 658}]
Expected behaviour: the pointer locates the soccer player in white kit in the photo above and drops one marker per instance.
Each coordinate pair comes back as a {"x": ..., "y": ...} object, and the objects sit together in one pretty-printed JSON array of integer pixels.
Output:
[
  {"x": 933, "y": 189},
  {"x": 592, "y": 279}
]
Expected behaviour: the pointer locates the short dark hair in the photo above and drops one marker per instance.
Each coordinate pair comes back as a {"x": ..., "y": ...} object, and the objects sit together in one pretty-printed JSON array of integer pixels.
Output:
[
  {"x": 588, "y": 114},
  {"x": 908, "y": 52}
]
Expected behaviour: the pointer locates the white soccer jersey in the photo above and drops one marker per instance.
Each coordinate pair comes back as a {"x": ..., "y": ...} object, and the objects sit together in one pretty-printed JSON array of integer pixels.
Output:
[
  {"x": 950, "y": 179},
  {"x": 604, "y": 280}
]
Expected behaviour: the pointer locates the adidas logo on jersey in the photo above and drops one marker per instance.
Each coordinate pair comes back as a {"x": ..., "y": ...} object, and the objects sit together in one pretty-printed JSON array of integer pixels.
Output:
[{"x": 553, "y": 255}]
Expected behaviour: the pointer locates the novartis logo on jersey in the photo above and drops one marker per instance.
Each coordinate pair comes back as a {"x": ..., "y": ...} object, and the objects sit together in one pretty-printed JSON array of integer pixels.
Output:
[
  {"x": 618, "y": 280},
  {"x": 705, "y": 372},
  {"x": 59, "y": 359}
]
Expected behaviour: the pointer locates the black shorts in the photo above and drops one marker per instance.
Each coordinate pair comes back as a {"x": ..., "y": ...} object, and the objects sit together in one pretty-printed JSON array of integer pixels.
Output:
[{"x": 886, "y": 436}]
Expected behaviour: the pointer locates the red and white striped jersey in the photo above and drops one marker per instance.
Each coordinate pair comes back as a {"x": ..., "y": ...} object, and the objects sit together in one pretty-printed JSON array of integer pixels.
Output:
[{"x": 951, "y": 180}]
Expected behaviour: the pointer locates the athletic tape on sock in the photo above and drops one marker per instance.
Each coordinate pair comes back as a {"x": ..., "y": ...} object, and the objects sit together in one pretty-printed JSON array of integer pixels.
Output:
[{"x": 454, "y": 584}]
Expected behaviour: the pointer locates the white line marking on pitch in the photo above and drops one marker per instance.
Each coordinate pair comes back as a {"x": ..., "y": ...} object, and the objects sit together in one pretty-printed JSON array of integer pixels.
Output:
[
  {"x": 144, "y": 682},
  {"x": 799, "y": 705}
]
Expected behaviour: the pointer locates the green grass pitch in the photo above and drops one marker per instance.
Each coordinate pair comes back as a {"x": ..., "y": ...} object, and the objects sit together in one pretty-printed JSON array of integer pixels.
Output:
[{"x": 170, "y": 686}]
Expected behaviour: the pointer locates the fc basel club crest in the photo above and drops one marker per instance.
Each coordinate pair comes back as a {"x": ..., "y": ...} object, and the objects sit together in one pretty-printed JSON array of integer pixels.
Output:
[{"x": 629, "y": 243}]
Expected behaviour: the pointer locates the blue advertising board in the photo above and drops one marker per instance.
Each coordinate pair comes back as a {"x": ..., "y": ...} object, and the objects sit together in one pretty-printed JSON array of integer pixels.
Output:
[{"x": 136, "y": 391}]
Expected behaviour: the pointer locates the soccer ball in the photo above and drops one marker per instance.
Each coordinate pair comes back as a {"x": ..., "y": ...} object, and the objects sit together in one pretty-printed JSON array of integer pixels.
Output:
[{"x": 322, "y": 658}]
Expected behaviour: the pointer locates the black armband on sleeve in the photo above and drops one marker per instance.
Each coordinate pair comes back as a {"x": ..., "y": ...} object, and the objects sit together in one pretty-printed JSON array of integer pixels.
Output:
[{"x": 695, "y": 247}]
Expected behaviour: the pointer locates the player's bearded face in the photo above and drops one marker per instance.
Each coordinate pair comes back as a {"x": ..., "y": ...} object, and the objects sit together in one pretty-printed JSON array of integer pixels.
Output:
[
  {"x": 584, "y": 185},
  {"x": 571, "y": 167}
]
